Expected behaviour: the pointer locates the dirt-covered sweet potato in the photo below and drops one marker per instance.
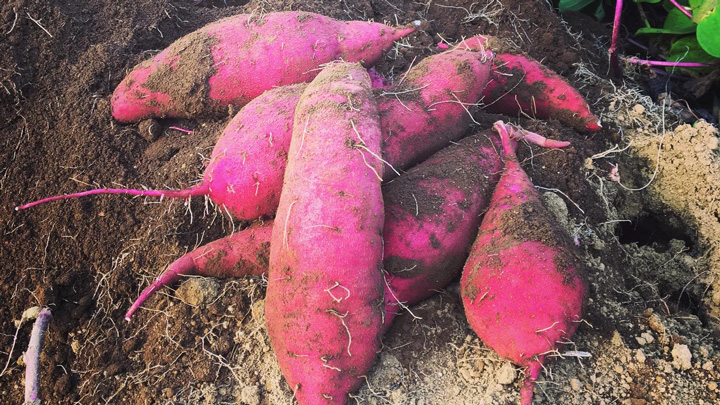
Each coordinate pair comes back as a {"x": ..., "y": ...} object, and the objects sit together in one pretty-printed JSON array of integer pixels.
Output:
[
  {"x": 234, "y": 60},
  {"x": 520, "y": 85},
  {"x": 523, "y": 287},
  {"x": 324, "y": 301}
]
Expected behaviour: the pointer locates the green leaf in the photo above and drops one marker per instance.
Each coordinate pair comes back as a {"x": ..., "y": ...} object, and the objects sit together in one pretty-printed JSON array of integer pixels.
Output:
[
  {"x": 651, "y": 31},
  {"x": 676, "y": 23},
  {"x": 573, "y": 5},
  {"x": 667, "y": 5},
  {"x": 703, "y": 10},
  {"x": 600, "y": 12},
  {"x": 647, "y": 1},
  {"x": 708, "y": 33},
  {"x": 679, "y": 22}
]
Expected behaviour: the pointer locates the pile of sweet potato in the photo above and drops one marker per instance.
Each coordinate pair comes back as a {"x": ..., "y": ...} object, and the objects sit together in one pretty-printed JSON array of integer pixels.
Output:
[{"x": 371, "y": 197}]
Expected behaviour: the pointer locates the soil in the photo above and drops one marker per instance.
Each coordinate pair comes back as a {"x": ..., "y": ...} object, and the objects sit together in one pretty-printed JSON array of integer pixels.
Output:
[{"x": 650, "y": 333}]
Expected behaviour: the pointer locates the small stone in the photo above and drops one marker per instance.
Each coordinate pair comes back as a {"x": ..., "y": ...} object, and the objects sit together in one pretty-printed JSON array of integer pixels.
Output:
[
  {"x": 466, "y": 374},
  {"x": 647, "y": 337},
  {"x": 598, "y": 245},
  {"x": 75, "y": 346},
  {"x": 168, "y": 393},
  {"x": 640, "y": 356},
  {"x": 250, "y": 395},
  {"x": 506, "y": 375},
  {"x": 641, "y": 340},
  {"x": 681, "y": 357},
  {"x": 575, "y": 384},
  {"x": 704, "y": 351},
  {"x": 656, "y": 324},
  {"x": 29, "y": 315},
  {"x": 638, "y": 109},
  {"x": 198, "y": 291},
  {"x": 712, "y": 385},
  {"x": 258, "y": 311},
  {"x": 708, "y": 366}
]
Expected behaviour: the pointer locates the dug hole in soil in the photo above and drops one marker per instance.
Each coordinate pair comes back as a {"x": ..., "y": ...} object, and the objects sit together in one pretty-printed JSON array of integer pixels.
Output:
[{"x": 650, "y": 241}]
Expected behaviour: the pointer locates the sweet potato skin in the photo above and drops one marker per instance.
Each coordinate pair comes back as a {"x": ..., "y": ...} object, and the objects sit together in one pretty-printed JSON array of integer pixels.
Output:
[
  {"x": 432, "y": 214},
  {"x": 522, "y": 286},
  {"x": 324, "y": 298},
  {"x": 249, "y": 55},
  {"x": 431, "y": 107},
  {"x": 520, "y": 85},
  {"x": 247, "y": 164}
]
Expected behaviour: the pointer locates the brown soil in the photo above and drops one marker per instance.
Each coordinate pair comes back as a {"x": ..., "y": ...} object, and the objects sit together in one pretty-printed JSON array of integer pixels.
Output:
[{"x": 651, "y": 317}]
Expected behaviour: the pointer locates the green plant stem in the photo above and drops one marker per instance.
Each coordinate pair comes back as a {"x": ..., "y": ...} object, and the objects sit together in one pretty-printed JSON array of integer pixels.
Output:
[{"x": 643, "y": 16}]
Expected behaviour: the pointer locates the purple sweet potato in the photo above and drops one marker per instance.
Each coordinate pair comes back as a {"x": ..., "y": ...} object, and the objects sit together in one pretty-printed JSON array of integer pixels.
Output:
[
  {"x": 324, "y": 302},
  {"x": 523, "y": 286},
  {"x": 245, "y": 253},
  {"x": 432, "y": 214},
  {"x": 431, "y": 107},
  {"x": 234, "y": 60},
  {"x": 520, "y": 85}
]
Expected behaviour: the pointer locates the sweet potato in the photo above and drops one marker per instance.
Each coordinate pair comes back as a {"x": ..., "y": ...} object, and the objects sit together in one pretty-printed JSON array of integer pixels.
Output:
[
  {"x": 432, "y": 214},
  {"x": 523, "y": 286},
  {"x": 431, "y": 107},
  {"x": 324, "y": 300},
  {"x": 32, "y": 356},
  {"x": 247, "y": 164},
  {"x": 419, "y": 116},
  {"x": 234, "y": 60},
  {"x": 520, "y": 85},
  {"x": 244, "y": 253}
]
